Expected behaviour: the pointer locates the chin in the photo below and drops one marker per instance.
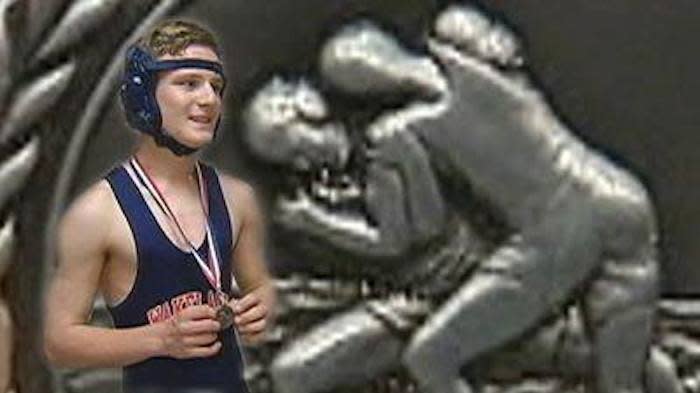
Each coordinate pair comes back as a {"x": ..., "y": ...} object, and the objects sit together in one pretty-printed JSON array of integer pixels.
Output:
[
  {"x": 199, "y": 142},
  {"x": 199, "y": 138}
]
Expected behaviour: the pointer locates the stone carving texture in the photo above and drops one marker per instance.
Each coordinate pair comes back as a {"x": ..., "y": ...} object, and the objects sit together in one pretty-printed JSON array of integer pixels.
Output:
[
  {"x": 499, "y": 252},
  {"x": 39, "y": 55},
  {"x": 478, "y": 244},
  {"x": 6, "y": 333}
]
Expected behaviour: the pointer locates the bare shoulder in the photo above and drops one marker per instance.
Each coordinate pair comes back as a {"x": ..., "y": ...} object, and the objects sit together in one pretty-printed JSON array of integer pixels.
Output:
[
  {"x": 91, "y": 214},
  {"x": 239, "y": 195}
]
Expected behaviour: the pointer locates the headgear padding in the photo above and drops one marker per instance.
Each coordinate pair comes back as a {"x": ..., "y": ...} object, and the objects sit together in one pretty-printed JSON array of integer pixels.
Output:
[{"x": 138, "y": 94}]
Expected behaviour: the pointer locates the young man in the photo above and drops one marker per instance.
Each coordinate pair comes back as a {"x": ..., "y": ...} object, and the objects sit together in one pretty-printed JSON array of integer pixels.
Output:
[{"x": 161, "y": 236}]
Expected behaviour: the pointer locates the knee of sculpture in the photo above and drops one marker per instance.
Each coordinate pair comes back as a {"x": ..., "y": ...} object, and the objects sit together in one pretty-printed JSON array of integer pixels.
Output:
[{"x": 568, "y": 210}]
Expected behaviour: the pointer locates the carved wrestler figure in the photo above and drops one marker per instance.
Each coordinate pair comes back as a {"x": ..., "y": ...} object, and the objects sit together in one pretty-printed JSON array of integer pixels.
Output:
[{"x": 575, "y": 227}]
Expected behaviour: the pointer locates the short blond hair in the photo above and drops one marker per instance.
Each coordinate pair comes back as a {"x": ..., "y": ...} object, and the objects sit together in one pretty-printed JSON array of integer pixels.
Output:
[{"x": 171, "y": 37}]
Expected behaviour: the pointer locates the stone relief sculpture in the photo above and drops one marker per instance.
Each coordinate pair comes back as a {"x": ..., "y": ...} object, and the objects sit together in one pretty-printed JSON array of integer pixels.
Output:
[
  {"x": 470, "y": 135},
  {"x": 40, "y": 51},
  {"x": 21, "y": 102},
  {"x": 481, "y": 246}
]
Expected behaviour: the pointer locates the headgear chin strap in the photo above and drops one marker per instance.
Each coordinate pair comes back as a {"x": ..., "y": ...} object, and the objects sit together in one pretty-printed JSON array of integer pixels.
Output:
[{"x": 138, "y": 94}]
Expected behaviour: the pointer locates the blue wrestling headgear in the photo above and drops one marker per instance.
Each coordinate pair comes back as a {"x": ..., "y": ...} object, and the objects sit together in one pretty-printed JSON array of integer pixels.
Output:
[{"x": 138, "y": 94}]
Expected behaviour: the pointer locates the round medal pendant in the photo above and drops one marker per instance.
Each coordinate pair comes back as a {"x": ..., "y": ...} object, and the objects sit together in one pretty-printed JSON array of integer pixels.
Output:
[{"x": 224, "y": 315}]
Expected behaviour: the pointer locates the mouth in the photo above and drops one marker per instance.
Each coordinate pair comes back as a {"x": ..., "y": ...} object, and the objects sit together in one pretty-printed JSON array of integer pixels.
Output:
[
  {"x": 203, "y": 120},
  {"x": 336, "y": 192}
]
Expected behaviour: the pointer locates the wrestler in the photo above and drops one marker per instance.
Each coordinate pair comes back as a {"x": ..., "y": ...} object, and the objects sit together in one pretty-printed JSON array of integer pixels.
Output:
[
  {"x": 576, "y": 227},
  {"x": 164, "y": 237}
]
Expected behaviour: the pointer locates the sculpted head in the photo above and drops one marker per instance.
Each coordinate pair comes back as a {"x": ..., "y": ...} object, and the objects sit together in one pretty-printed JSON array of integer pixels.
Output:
[{"x": 287, "y": 123}]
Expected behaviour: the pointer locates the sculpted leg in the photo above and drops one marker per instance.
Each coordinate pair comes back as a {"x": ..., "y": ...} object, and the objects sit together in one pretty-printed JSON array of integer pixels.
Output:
[
  {"x": 620, "y": 304},
  {"x": 660, "y": 373},
  {"x": 620, "y": 324},
  {"x": 509, "y": 294},
  {"x": 350, "y": 349},
  {"x": 619, "y": 309},
  {"x": 574, "y": 219}
]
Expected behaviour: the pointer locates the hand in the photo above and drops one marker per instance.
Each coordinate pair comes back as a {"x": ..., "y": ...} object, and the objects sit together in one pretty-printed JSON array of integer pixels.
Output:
[
  {"x": 191, "y": 333},
  {"x": 250, "y": 317}
]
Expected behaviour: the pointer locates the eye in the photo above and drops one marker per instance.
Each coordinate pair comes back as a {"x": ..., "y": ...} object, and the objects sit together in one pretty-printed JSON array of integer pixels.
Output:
[{"x": 188, "y": 83}]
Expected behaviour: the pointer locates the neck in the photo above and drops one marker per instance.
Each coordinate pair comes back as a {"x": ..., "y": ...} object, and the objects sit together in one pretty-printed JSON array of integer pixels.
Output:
[{"x": 163, "y": 165}]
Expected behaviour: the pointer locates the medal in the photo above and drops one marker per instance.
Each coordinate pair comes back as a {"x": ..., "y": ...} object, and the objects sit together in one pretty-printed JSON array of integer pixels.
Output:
[
  {"x": 224, "y": 315},
  {"x": 210, "y": 268}
]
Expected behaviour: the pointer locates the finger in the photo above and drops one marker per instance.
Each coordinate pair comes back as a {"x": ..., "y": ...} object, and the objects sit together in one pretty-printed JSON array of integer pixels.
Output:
[
  {"x": 473, "y": 33},
  {"x": 199, "y": 340},
  {"x": 201, "y": 352},
  {"x": 250, "y": 315},
  {"x": 361, "y": 59},
  {"x": 475, "y": 81},
  {"x": 253, "y": 327},
  {"x": 248, "y": 301},
  {"x": 501, "y": 46},
  {"x": 200, "y": 326},
  {"x": 196, "y": 312},
  {"x": 250, "y": 339}
]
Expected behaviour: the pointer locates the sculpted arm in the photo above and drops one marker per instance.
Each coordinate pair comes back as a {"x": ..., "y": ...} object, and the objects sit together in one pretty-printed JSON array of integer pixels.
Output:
[
  {"x": 404, "y": 205},
  {"x": 401, "y": 205}
]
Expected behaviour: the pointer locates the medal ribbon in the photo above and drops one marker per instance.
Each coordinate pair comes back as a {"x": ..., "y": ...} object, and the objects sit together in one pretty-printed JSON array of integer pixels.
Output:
[{"x": 210, "y": 269}]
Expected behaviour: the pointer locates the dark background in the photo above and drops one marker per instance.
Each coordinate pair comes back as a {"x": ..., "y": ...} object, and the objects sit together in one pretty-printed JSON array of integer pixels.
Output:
[{"x": 622, "y": 74}]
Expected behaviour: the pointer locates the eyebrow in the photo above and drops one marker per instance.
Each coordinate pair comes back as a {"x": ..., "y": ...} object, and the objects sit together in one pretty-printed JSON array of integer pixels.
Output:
[{"x": 185, "y": 73}]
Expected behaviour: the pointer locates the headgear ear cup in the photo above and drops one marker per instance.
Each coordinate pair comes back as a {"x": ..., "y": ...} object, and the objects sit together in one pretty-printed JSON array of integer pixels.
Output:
[{"x": 138, "y": 94}]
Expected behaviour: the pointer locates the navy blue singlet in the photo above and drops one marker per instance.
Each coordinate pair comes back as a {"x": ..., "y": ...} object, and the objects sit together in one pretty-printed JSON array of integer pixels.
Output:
[{"x": 168, "y": 279}]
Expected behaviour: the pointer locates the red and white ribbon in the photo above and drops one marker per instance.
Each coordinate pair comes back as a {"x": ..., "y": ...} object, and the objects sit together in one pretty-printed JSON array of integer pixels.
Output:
[{"x": 210, "y": 269}]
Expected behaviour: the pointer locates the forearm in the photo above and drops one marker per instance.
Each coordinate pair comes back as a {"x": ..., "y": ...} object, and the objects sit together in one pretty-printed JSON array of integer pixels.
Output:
[
  {"x": 423, "y": 198},
  {"x": 5, "y": 346},
  {"x": 265, "y": 290},
  {"x": 81, "y": 346}
]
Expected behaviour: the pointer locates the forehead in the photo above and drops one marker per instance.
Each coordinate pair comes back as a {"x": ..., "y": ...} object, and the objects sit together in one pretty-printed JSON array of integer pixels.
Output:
[{"x": 194, "y": 51}]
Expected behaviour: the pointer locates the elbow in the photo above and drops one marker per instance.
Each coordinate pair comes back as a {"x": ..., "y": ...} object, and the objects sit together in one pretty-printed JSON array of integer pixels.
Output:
[
  {"x": 53, "y": 350},
  {"x": 393, "y": 248},
  {"x": 50, "y": 349}
]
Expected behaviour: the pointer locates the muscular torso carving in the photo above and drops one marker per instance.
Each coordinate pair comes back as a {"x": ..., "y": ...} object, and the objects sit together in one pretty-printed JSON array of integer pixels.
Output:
[{"x": 575, "y": 229}]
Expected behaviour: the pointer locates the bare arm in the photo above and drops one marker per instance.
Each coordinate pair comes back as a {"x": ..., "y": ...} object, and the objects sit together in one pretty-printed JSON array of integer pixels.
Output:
[
  {"x": 82, "y": 251},
  {"x": 6, "y": 337},
  {"x": 404, "y": 205},
  {"x": 69, "y": 341},
  {"x": 254, "y": 309},
  {"x": 403, "y": 198}
]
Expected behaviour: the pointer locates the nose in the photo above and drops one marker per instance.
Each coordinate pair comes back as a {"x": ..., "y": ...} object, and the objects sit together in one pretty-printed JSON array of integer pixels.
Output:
[
  {"x": 335, "y": 146},
  {"x": 343, "y": 154}
]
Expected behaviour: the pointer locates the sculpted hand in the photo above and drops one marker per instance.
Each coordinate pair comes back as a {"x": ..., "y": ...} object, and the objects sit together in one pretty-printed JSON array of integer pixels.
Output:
[
  {"x": 251, "y": 317},
  {"x": 464, "y": 94},
  {"x": 191, "y": 333}
]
